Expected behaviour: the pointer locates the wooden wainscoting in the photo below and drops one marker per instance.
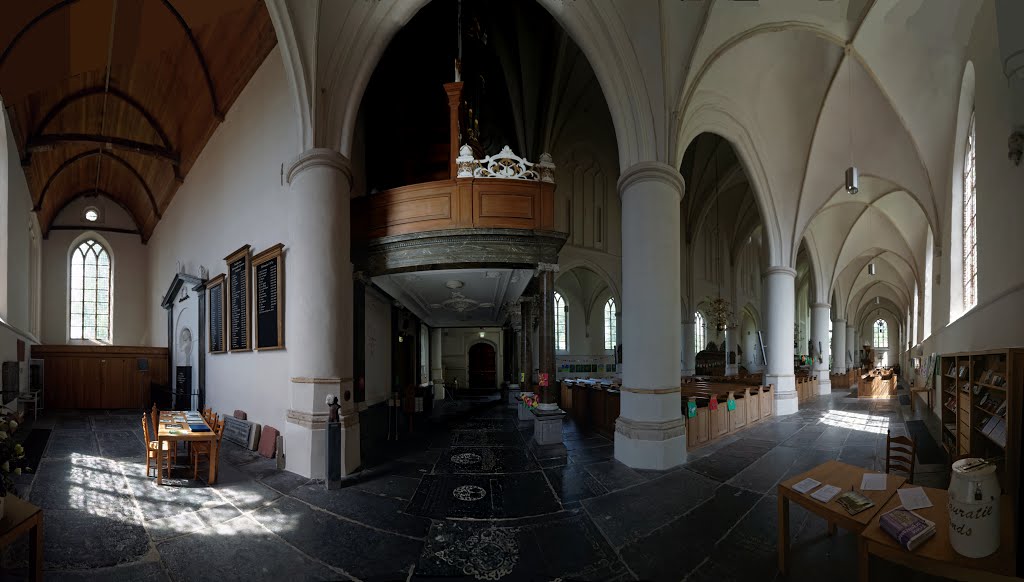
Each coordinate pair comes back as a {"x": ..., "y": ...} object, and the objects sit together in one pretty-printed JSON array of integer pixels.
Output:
[
  {"x": 100, "y": 376},
  {"x": 451, "y": 204}
]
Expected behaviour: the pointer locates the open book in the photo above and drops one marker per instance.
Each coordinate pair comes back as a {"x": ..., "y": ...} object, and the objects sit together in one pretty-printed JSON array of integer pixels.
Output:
[{"x": 906, "y": 527}]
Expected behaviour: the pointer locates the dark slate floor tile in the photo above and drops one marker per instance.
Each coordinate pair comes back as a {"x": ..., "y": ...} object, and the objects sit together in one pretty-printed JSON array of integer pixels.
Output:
[
  {"x": 64, "y": 444},
  {"x": 860, "y": 456},
  {"x": 486, "y": 424},
  {"x": 368, "y": 554},
  {"x": 614, "y": 475},
  {"x": 284, "y": 481},
  {"x": 574, "y": 483},
  {"x": 485, "y": 460},
  {"x": 763, "y": 474},
  {"x": 553, "y": 462},
  {"x": 240, "y": 490},
  {"x": 176, "y": 495},
  {"x": 260, "y": 468},
  {"x": 82, "y": 483},
  {"x": 145, "y": 571},
  {"x": 189, "y": 521},
  {"x": 486, "y": 439},
  {"x": 772, "y": 431},
  {"x": 79, "y": 539},
  {"x": 749, "y": 550},
  {"x": 593, "y": 455},
  {"x": 483, "y": 496},
  {"x": 121, "y": 444},
  {"x": 239, "y": 550},
  {"x": 673, "y": 551},
  {"x": 380, "y": 512},
  {"x": 631, "y": 513},
  {"x": 586, "y": 443},
  {"x": 728, "y": 461},
  {"x": 389, "y": 486}
]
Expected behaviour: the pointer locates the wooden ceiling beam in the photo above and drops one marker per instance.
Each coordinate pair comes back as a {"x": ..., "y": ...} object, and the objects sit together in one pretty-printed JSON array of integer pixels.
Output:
[
  {"x": 84, "y": 155},
  {"x": 47, "y": 141},
  {"x": 31, "y": 24},
  {"x": 99, "y": 90},
  {"x": 217, "y": 113}
]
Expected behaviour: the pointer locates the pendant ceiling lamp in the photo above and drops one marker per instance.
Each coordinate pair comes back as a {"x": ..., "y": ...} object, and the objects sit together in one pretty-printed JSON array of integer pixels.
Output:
[{"x": 852, "y": 182}]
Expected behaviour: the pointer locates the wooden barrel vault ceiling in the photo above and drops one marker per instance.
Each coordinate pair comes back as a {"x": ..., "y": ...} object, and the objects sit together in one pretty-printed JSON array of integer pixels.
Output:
[{"x": 117, "y": 98}]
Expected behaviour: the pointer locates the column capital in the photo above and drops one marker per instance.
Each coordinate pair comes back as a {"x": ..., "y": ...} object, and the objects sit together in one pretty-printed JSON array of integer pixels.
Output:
[
  {"x": 840, "y": 320},
  {"x": 542, "y": 267},
  {"x": 651, "y": 171},
  {"x": 317, "y": 157},
  {"x": 821, "y": 305},
  {"x": 780, "y": 270}
]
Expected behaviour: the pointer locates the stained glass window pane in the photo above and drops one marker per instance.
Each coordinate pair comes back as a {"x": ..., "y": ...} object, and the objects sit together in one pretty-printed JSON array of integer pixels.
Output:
[
  {"x": 610, "y": 333},
  {"x": 560, "y": 322},
  {"x": 700, "y": 332}
]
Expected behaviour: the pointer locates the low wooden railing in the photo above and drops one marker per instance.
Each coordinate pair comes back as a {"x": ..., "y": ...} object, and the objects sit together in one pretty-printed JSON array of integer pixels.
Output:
[{"x": 100, "y": 376}]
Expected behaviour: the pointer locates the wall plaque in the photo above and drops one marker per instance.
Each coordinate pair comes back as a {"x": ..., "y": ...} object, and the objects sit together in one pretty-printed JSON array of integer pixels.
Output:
[
  {"x": 217, "y": 292},
  {"x": 239, "y": 310},
  {"x": 268, "y": 295}
]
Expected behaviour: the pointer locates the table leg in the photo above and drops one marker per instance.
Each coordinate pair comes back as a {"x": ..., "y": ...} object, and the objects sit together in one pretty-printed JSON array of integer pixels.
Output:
[
  {"x": 35, "y": 550},
  {"x": 831, "y": 528},
  {"x": 214, "y": 455},
  {"x": 862, "y": 559},
  {"x": 160, "y": 461},
  {"x": 783, "y": 532}
]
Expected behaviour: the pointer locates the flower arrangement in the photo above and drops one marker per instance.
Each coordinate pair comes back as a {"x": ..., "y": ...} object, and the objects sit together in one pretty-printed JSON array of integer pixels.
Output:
[
  {"x": 531, "y": 400},
  {"x": 10, "y": 453}
]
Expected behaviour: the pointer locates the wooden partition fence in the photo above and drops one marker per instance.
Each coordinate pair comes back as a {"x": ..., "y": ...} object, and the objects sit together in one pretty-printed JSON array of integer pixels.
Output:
[{"x": 100, "y": 376}]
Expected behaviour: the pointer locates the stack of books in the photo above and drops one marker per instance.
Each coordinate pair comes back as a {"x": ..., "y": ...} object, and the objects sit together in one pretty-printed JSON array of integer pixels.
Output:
[
  {"x": 854, "y": 502},
  {"x": 906, "y": 527}
]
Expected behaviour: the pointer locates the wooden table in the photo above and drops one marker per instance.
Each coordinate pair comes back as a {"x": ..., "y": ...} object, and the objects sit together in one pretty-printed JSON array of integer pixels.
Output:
[
  {"x": 21, "y": 517},
  {"x": 927, "y": 394},
  {"x": 184, "y": 434},
  {"x": 936, "y": 555},
  {"x": 843, "y": 476}
]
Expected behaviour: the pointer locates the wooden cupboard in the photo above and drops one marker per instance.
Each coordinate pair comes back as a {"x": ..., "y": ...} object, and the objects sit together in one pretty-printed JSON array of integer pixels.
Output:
[{"x": 100, "y": 376}]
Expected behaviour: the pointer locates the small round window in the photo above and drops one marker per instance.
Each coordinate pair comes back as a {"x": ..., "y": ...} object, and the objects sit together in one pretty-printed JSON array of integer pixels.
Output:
[{"x": 91, "y": 214}]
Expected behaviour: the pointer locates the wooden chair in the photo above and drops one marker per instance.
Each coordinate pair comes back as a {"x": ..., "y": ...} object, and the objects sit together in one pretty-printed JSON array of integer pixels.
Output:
[
  {"x": 152, "y": 449},
  {"x": 900, "y": 454},
  {"x": 209, "y": 416},
  {"x": 201, "y": 448}
]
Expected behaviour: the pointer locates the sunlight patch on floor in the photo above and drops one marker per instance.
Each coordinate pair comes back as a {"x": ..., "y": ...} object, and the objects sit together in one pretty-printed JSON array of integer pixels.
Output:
[{"x": 855, "y": 421}]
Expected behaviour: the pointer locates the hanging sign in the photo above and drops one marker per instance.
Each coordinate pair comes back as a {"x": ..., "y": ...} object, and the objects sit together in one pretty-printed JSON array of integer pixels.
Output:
[
  {"x": 713, "y": 404},
  {"x": 730, "y": 404},
  {"x": 691, "y": 409}
]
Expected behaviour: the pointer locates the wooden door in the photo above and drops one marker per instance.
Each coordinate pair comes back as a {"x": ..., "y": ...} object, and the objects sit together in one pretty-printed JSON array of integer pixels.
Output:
[{"x": 483, "y": 369}]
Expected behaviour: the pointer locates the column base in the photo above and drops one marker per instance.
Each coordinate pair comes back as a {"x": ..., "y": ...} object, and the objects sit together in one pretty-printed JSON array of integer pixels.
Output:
[
  {"x": 650, "y": 445},
  {"x": 306, "y": 439},
  {"x": 547, "y": 426},
  {"x": 824, "y": 384},
  {"x": 785, "y": 394},
  {"x": 513, "y": 394},
  {"x": 732, "y": 370},
  {"x": 688, "y": 373}
]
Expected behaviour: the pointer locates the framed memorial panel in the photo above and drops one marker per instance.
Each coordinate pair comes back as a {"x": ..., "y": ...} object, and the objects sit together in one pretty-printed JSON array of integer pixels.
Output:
[
  {"x": 216, "y": 299},
  {"x": 268, "y": 295},
  {"x": 239, "y": 308}
]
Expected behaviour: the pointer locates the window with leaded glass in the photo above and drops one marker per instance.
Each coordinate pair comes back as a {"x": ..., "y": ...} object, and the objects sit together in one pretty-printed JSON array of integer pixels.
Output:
[
  {"x": 89, "y": 292},
  {"x": 970, "y": 240},
  {"x": 561, "y": 320},
  {"x": 700, "y": 333},
  {"x": 881, "y": 329},
  {"x": 609, "y": 325}
]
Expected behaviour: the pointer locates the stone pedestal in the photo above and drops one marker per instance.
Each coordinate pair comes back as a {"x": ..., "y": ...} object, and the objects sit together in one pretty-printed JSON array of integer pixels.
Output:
[
  {"x": 524, "y": 410},
  {"x": 547, "y": 426}
]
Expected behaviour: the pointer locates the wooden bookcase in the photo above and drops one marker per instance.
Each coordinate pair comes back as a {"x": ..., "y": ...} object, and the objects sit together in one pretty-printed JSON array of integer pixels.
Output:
[{"x": 981, "y": 395}]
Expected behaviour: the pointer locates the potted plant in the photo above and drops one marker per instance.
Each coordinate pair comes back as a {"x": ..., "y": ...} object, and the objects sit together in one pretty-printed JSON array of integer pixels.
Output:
[{"x": 10, "y": 455}]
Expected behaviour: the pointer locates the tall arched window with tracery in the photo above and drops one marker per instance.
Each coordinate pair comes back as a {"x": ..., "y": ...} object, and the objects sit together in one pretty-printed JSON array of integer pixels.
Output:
[
  {"x": 561, "y": 322},
  {"x": 609, "y": 325},
  {"x": 89, "y": 292},
  {"x": 970, "y": 210},
  {"x": 881, "y": 332},
  {"x": 700, "y": 332}
]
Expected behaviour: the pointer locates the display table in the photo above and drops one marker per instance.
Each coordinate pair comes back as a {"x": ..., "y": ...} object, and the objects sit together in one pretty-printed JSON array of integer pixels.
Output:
[
  {"x": 165, "y": 434},
  {"x": 844, "y": 476},
  {"x": 936, "y": 556},
  {"x": 20, "y": 518}
]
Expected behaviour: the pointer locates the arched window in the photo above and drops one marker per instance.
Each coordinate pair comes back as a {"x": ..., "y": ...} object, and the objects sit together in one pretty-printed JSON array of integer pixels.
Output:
[
  {"x": 881, "y": 332},
  {"x": 700, "y": 333},
  {"x": 89, "y": 292},
  {"x": 970, "y": 210},
  {"x": 609, "y": 325},
  {"x": 561, "y": 322}
]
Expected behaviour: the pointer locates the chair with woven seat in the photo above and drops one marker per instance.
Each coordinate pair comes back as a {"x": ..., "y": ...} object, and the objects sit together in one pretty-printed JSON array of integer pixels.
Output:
[
  {"x": 900, "y": 454},
  {"x": 203, "y": 448},
  {"x": 152, "y": 449}
]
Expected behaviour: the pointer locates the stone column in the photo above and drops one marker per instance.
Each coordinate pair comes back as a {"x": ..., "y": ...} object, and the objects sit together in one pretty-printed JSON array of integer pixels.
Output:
[
  {"x": 436, "y": 367},
  {"x": 780, "y": 283},
  {"x": 851, "y": 348},
  {"x": 320, "y": 315},
  {"x": 819, "y": 337},
  {"x": 618, "y": 338},
  {"x": 689, "y": 349},
  {"x": 730, "y": 345},
  {"x": 650, "y": 431},
  {"x": 839, "y": 346},
  {"x": 526, "y": 355},
  {"x": 546, "y": 333}
]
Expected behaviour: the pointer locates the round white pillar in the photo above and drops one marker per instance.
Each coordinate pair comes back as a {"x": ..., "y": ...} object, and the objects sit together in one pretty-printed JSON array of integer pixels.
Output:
[
  {"x": 839, "y": 346},
  {"x": 319, "y": 314},
  {"x": 650, "y": 431},
  {"x": 851, "y": 348},
  {"x": 689, "y": 349},
  {"x": 780, "y": 287},
  {"x": 819, "y": 338}
]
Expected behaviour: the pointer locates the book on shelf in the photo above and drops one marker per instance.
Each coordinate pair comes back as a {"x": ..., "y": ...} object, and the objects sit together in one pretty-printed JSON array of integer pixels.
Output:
[
  {"x": 951, "y": 427},
  {"x": 854, "y": 502},
  {"x": 906, "y": 527}
]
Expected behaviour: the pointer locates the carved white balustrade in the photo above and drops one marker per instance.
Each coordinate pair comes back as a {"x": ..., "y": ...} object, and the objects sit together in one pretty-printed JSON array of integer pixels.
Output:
[{"x": 504, "y": 164}]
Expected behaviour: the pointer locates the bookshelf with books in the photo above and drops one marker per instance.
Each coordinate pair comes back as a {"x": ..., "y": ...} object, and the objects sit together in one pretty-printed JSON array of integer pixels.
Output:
[{"x": 982, "y": 394}]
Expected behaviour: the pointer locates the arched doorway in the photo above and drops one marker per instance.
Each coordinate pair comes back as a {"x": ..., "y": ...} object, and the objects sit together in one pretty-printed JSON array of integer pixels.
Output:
[{"x": 483, "y": 366}]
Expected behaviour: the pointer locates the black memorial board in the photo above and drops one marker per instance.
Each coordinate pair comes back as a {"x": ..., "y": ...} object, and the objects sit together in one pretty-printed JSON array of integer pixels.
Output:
[
  {"x": 182, "y": 387},
  {"x": 217, "y": 291},
  {"x": 238, "y": 300},
  {"x": 268, "y": 295}
]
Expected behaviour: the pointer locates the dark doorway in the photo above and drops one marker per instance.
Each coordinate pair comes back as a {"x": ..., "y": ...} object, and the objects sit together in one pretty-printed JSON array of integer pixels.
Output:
[{"x": 483, "y": 368}]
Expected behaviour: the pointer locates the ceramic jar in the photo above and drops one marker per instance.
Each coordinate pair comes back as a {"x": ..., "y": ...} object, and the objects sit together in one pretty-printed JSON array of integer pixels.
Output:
[{"x": 974, "y": 508}]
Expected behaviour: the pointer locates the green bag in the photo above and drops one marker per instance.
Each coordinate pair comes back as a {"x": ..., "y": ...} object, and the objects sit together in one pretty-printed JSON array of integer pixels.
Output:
[
  {"x": 691, "y": 409},
  {"x": 731, "y": 404}
]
